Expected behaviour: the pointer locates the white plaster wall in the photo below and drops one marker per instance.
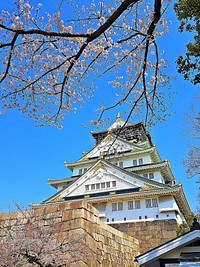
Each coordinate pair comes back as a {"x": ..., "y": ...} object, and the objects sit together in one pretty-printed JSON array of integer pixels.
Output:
[
  {"x": 133, "y": 215},
  {"x": 79, "y": 186},
  {"x": 158, "y": 177},
  {"x": 147, "y": 159},
  {"x": 167, "y": 202},
  {"x": 128, "y": 162}
]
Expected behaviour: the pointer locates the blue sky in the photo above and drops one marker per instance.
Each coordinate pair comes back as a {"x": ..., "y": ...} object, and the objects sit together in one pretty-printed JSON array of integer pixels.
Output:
[{"x": 29, "y": 155}]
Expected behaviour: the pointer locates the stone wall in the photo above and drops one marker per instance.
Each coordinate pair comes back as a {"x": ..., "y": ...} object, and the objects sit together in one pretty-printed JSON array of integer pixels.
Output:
[
  {"x": 100, "y": 244},
  {"x": 150, "y": 233}
]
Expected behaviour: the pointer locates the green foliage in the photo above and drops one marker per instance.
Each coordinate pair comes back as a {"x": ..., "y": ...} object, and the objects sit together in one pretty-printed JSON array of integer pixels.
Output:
[
  {"x": 185, "y": 226},
  {"x": 188, "y": 13}
]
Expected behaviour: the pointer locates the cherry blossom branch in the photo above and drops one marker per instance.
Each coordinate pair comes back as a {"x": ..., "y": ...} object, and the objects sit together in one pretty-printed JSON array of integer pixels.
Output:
[
  {"x": 54, "y": 64},
  {"x": 9, "y": 58},
  {"x": 157, "y": 16},
  {"x": 123, "y": 99},
  {"x": 45, "y": 33}
]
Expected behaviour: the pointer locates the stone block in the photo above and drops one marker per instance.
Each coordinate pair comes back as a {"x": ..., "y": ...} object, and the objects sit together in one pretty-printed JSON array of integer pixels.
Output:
[
  {"x": 67, "y": 215},
  {"x": 50, "y": 209}
]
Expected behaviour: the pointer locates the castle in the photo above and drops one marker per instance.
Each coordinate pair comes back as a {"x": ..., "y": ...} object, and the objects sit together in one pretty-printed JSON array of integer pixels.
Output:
[
  {"x": 120, "y": 207},
  {"x": 125, "y": 179}
]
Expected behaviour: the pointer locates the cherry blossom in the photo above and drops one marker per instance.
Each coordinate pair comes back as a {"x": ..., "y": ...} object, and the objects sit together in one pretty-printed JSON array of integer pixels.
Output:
[{"x": 51, "y": 62}]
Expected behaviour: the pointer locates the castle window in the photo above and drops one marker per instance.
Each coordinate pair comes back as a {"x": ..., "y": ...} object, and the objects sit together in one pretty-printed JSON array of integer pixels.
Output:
[
  {"x": 148, "y": 203},
  {"x": 87, "y": 187},
  {"x": 157, "y": 216},
  {"x": 154, "y": 202},
  {"x": 92, "y": 186},
  {"x": 107, "y": 184},
  {"x": 140, "y": 161},
  {"x": 151, "y": 203},
  {"x": 112, "y": 219},
  {"x": 117, "y": 206},
  {"x": 114, "y": 206},
  {"x": 103, "y": 185},
  {"x": 140, "y": 217},
  {"x": 97, "y": 186},
  {"x": 80, "y": 171},
  {"x": 124, "y": 218},
  {"x": 130, "y": 205},
  {"x": 85, "y": 169},
  {"x": 135, "y": 162},
  {"x": 113, "y": 183},
  {"x": 145, "y": 217},
  {"x": 151, "y": 175},
  {"x": 121, "y": 164},
  {"x": 107, "y": 220},
  {"x": 137, "y": 204},
  {"x": 120, "y": 206}
]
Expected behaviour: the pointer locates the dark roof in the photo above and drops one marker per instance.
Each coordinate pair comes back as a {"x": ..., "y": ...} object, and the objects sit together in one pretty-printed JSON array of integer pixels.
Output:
[{"x": 128, "y": 132}]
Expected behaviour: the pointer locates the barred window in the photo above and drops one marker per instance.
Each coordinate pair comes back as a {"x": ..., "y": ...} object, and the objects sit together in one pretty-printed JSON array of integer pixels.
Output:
[
  {"x": 114, "y": 206},
  {"x": 80, "y": 171},
  {"x": 137, "y": 204},
  {"x": 103, "y": 185},
  {"x": 135, "y": 162},
  {"x": 92, "y": 186},
  {"x": 87, "y": 187},
  {"x": 140, "y": 161},
  {"x": 154, "y": 202},
  {"x": 114, "y": 183},
  {"x": 121, "y": 164},
  {"x": 107, "y": 184},
  {"x": 97, "y": 186},
  {"x": 145, "y": 175},
  {"x": 148, "y": 203},
  {"x": 130, "y": 205},
  {"x": 120, "y": 206},
  {"x": 151, "y": 175}
]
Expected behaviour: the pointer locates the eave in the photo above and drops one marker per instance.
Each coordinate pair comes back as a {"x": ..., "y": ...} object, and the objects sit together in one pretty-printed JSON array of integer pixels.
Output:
[
  {"x": 62, "y": 181},
  {"x": 112, "y": 196},
  {"x": 118, "y": 156},
  {"x": 182, "y": 201},
  {"x": 115, "y": 138},
  {"x": 163, "y": 166},
  {"x": 128, "y": 196}
]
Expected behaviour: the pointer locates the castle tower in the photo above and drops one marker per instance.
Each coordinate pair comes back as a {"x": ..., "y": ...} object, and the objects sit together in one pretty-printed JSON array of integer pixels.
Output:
[{"x": 124, "y": 177}]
